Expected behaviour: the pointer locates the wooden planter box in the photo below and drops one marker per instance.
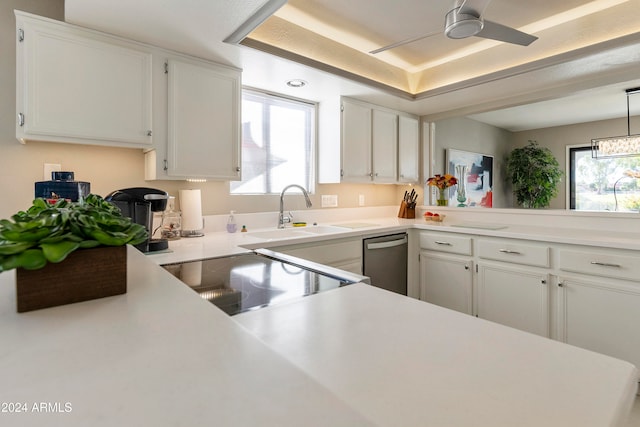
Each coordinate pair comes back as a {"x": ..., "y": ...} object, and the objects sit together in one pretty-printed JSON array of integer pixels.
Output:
[{"x": 84, "y": 275}]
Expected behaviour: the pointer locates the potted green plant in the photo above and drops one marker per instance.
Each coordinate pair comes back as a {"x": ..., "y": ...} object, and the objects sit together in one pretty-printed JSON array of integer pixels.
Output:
[
  {"x": 67, "y": 251},
  {"x": 535, "y": 174}
]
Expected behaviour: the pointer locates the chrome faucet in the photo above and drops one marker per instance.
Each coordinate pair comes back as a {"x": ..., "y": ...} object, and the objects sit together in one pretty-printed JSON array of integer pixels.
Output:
[{"x": 282, "y": 218}]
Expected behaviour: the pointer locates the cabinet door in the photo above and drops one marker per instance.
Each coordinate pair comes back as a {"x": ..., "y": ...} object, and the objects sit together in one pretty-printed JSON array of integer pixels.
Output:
[
  {"x": 446, "y": 281},
  {"x": 79, "y": 86},
  {"x": 600, "y": 316},
  {"x": 408, "y": 149},
  {"x": 385, "y": 146},
  {"x": 356, "y": 142},
  {"x": 514, "y": 297},
  {"x": 203, "y": 120}
]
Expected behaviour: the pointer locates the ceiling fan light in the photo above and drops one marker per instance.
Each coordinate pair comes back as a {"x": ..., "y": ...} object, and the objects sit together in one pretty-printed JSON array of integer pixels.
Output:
[{"x": 461, "y": 25}]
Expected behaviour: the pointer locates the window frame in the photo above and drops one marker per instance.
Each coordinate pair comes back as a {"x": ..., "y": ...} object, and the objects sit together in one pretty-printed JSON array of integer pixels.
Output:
[
  {"x": 311, "y": 136},
  {"x": 571, "y": 150}
]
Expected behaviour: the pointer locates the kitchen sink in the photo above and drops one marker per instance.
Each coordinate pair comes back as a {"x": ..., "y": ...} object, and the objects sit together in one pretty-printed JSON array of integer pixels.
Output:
[
  {"x": 325, "y": 229},
  {"x": 289, "y": 233}
]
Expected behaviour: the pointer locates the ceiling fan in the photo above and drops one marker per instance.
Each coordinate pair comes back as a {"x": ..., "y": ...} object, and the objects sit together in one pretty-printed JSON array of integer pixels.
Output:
[{"x": 465, "y": 20}]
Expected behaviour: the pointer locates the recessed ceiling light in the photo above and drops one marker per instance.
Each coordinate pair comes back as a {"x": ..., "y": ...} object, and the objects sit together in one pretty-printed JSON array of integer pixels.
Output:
[{"x": 296, "y": 83}]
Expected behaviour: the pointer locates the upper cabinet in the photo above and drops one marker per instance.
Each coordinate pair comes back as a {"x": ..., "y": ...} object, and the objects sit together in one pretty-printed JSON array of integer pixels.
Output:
[
  {"x": 378, "y": 145},
  {"x": 356, "y": 165},
  {"x": 80, "y": 86},
  {"x": 202, "y": 112},
  {"x": 408, "y": 149},
  {"x": 384, "y": 144}
]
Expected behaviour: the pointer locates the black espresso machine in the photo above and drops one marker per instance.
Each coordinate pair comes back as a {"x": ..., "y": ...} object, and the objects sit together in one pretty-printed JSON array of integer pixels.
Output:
[{"x": 139, "y": 204}]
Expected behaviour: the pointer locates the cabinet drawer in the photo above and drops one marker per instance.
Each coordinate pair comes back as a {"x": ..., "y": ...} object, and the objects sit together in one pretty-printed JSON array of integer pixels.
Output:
[
  {"x": 610, "y": 264},
  {"x": 514, "y": 252},
  {"x": 446, "y": 243}
]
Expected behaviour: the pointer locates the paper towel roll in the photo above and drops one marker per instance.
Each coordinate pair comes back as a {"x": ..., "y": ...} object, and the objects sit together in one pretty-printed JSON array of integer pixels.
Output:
[{"x": 191, "y": 207}]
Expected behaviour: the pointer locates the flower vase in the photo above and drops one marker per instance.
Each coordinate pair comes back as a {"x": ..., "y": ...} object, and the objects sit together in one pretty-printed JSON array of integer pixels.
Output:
[
  {"x": 461, "y": 194},
  {"x": 442, "y": 200}
]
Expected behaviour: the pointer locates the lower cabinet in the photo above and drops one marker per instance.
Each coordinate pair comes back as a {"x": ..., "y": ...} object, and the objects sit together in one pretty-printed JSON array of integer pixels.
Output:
[
  {"x": 585, "y": 296},
  {"x": 601, "y": 315},
  {"x": 515, "y": 297},
  {"x": 447, "y": 281},
  {"x": 345, "y": 254}
]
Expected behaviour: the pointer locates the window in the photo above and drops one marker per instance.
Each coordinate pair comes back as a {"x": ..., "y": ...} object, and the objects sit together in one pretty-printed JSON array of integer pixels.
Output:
[
  {"x": 603, "y": 184},
  {"x": 278, "y": 142}
]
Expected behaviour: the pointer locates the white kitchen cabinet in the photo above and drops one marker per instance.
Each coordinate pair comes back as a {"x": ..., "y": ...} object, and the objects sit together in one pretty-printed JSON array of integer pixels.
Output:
[
  {"x": 345, "y": 253},
  {"x": 515, "y": 297},
  {"x": 408, "y": 149},
  {"x": 356, "y": 142},
  {"x": 384, "y": 142},
  {"x": 599, "y": 300},
  {"x": 446, "y": 278},
  {"x": 200, "y": 103},
  {"x": 372, "y": 139},
  {"x": 76, "y": 85},
  {"x": 447, "y": 281},
  {"x": 600, "y": 315}
]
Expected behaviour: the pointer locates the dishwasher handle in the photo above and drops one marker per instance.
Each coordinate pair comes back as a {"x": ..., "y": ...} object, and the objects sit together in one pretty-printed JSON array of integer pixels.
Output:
[{"x": 388, "y": 244}]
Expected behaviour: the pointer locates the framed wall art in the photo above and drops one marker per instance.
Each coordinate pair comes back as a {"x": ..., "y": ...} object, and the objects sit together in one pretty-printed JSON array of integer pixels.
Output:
[{"x": 474, "y": 172}]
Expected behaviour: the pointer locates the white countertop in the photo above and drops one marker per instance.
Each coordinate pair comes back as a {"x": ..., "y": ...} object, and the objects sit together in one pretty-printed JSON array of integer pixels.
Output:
[
  {"x": 160, "y": 355},
  {"x": 216, "y": 244},
  {"x": 157, "y": 356},
  {"x": 403, "y": 362}
]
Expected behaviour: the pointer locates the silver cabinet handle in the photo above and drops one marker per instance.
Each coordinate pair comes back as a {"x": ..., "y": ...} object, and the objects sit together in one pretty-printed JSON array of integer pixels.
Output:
[
  {"x": 509, "y": 251},
  {"x": 605, "y": 264},
  {"x": 438, "y": 242}
]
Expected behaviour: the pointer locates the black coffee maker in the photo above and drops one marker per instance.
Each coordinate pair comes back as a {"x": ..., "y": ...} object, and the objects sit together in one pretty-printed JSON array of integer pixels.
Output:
[{"x": 139, "y": 203}]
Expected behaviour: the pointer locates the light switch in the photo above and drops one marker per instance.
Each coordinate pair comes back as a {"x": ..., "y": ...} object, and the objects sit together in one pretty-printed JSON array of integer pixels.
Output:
[
  {"x": 361, "y": 200},
  {"x": 329, "y": 200}
]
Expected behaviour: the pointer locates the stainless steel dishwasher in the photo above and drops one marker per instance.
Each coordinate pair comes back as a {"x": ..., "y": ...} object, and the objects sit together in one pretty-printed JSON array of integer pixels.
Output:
[{"x": 384, "y": 261}]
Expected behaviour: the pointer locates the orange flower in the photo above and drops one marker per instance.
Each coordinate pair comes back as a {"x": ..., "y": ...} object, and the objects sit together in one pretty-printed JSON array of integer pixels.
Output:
[{"x": 442, "y": 182}]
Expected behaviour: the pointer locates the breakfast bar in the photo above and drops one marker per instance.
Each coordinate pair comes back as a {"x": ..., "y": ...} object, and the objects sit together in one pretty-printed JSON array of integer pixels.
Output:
[{"x": 353, "y": 356}]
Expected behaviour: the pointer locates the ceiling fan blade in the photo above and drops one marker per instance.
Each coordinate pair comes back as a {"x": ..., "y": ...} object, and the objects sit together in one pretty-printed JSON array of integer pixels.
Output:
[
  {"x": 473, "y": 7},
  {"x": 495, "y": 31},
  {"x": 403, "y": 42}
]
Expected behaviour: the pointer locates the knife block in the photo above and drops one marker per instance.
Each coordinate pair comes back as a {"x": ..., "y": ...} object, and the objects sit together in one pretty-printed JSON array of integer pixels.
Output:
[{"x": 407, "y": 210}]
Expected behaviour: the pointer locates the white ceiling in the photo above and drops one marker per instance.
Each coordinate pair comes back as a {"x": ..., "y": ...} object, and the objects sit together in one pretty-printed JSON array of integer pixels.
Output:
[{"x": 588, "y": 52}]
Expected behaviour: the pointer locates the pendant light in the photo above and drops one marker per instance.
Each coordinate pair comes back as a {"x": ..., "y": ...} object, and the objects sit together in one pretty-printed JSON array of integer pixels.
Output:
[{"x": 618, "y": 146}]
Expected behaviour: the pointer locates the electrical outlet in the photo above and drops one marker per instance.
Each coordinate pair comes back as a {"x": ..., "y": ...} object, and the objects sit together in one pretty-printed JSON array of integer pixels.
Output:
[
  {"x": 329, "y": 201},
  {"x": 48, "y": 168},
  {"x": 361, "y": 200}
]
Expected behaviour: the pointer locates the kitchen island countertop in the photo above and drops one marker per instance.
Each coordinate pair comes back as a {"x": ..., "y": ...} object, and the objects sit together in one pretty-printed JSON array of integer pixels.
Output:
[
  {"x": 355, "y": 356},
  {"x": 158, "y": 355},
  {"x": 402, "y": 362}
]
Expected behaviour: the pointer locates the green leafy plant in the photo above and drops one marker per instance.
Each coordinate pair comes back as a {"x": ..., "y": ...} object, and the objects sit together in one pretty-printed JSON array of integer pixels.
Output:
[
  {"x": 535, "y": 174},
  {"x": 50, "y": 232}
]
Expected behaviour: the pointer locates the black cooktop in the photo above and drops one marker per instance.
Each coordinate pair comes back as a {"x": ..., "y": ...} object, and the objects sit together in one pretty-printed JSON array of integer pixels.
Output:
[{"x": 249, "y": 281}]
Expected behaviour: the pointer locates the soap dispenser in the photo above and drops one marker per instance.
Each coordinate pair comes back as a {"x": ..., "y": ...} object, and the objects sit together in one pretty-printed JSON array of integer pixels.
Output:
[{"x": 231, "y": 223}]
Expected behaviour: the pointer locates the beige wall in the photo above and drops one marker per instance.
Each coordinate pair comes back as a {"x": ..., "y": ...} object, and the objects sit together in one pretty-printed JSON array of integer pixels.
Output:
[
  {"x": 108, "y": 169},
  {"x": 469, "y": 135},
  {"x": 558, "y": 138}
]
